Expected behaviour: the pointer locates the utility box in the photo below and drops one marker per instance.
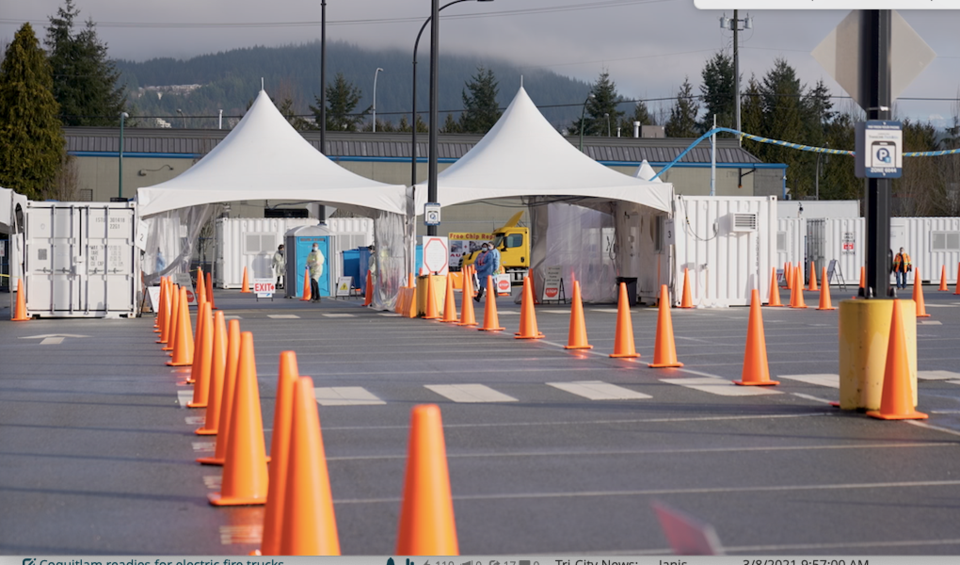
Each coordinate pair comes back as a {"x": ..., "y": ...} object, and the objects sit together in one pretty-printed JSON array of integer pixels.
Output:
[
  {"x": 80, "y": 259},
  {"x": 298, "y": 242}
]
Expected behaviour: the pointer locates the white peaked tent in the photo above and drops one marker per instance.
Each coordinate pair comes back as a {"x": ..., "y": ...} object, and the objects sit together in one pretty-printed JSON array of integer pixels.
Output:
[
  {"x": 264, "y": 158},
  {"x": 646, "y": 172},
  {"x": 524, "y": 156}
]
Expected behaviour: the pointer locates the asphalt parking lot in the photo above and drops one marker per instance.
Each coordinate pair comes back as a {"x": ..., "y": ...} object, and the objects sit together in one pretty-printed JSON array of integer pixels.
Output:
[{"x": 97, "y": 454}]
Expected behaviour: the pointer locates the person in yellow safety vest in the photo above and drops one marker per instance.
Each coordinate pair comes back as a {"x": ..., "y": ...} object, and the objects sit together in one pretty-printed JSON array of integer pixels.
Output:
[{"x": 902, "y": 266}]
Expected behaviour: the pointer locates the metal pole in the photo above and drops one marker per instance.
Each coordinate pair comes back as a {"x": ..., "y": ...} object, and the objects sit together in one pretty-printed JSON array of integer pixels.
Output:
[
  {"x": 713, "y": 159},
  {"x": 323, "y": 76},
  {"x": 583, "y": 111},
  {"x": 123, "y": 116},
  {"x": 876, "y": 25},
  {"x": 736, "y": 74},
  {"x": 434, "y": 113},
  {"x": 375, "y": 73}
]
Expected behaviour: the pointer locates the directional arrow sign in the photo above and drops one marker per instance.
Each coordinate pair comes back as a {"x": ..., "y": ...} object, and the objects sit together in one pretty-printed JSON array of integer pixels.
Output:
[
  {"x": 839, "y": 54},
  {"x": 52, "y": 339}
]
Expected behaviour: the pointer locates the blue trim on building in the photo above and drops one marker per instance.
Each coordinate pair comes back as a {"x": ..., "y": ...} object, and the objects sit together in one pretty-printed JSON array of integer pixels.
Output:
[{"x": 116, "y": 155}]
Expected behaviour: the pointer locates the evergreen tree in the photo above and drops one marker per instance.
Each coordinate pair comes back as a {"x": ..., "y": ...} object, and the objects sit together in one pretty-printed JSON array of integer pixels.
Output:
[
  {"x": 717, "y": 92},
  {"x": 84, "y": 79},
  {"x": 640, "y": 114},
  {"x": 683, "y": 115},
  {"x": 751, "y": 115},
  {"x": 783, "y": 118},
  {"x": 837, "y": 180},
  {"x": 299, "y": 123},
  {"x": 480, "y": 109},
  {"x": 31, "y": 140},
  {"x": 602, "y": 109},
  {"x": 342, "y": 99},
  {"x": 451, "y": 125}
]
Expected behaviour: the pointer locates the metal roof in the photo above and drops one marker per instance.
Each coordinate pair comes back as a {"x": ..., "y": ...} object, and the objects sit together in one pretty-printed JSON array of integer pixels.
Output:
[{"x": 190, "y": 142}]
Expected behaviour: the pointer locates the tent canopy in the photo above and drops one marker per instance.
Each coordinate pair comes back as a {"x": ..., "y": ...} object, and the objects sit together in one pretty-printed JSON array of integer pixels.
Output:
[
  {"x": 8, "y": 206},
  {"x": 265, "y": 158},
  {"x": 523, "y": 155}
]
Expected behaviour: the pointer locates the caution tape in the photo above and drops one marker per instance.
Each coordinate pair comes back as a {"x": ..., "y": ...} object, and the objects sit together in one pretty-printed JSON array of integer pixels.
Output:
[{"x": 791, "y": 145}]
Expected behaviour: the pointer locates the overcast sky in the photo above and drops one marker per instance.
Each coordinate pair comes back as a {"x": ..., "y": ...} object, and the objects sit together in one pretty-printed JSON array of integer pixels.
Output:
[{"x": 648, "y": 46}]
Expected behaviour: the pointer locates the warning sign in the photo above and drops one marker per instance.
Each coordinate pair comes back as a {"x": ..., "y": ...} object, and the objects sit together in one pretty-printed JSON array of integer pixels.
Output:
[
  {"x": 552, "y": 283},
  {"x": 264, "y": 287},
  {"x": 503, "y": 285},
  {"x": 849, "y": 243},
  {"x": 436, "y": 255},
  {"x": 344, "y": 284}
]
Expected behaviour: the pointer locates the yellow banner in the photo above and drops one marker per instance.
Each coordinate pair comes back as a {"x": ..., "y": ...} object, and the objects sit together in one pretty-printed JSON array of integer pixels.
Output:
[{"x": 470, "y": 236}]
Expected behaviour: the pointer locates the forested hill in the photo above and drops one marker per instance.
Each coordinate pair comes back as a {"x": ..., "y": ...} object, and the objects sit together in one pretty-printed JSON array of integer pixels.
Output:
[{"x": 230, "y": 81}]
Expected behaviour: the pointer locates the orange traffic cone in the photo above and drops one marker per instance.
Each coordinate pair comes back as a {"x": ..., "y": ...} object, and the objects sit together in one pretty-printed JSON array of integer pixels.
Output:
[
  {"x": 943, "y": 278},
  {"x": 756, "y": 371},
  {"x": 467, "y": 316},
  {"x": 786, "y": 275},
  {"x": 245, "y": 476},
  {"x": 226, "y": 397},
  {"x": 528, "y": 316},
  {"x": 309, "y": 524},
  {"x": 218, "y": 362},
  {"x": 169, "y": 339},
  {"x": 202, "y": 359},
  {"x": 183, "y": 346},
  {"x": 411, "y": 280},
  {"x": 427, "y": 525},
  {"x": 306, "y": 286},
  {"x": 896, "y": 403},
  {"x": 958, "y": 279},
  {"x": 918, "y": 296},
  {"x": 796, "y": 297},
  {"x": 430, "y": 311},
  {"x": 213, "y": 304},
  {"x": 665, "y": 349},
  {"x": 686, "y": 301},
  {"x": 368, "y": 290},
  {"x": 825, "y": 303},
  {"x": 245, "y": 285},
  {"x": 577, "y": 336},
  {"x": 449, "y": 303},
  {"x": 863, "y": 282},
  {"x": 165, "y": 307},
  {"x": 279, "y": 454},
  {"x": 813, "y": 278},
  {"x": 201, "y": 287},
  {"x": 491, "y": 319},
  {"x": 410, "y": 309},
  {"x": 623, "y": 345},
  {"x": 774, "y": 290},
  {"x": 198, "y": 337},
  {"x": 158, "y": 321},
  {"x": 20, "y": 312}
]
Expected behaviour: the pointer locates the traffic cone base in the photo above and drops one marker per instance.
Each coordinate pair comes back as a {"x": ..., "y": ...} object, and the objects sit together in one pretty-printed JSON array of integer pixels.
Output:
[{"x": 897, "y": 400}]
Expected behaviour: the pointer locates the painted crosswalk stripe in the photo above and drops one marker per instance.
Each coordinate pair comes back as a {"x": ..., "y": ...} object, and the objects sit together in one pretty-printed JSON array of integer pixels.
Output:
[
  {"x": 720, "y": 387},
  {"x": 283, "y": 316},
  {"x": 607, "y": 310},
  {"x": 212, "y": 481},
  {"x": 339, "y": 315},
  {"x": 940, "y": 305},
  {"x": 470, "y": 393},
  {"x": 599, "y": 390},
  {"x": 937, "y": 375},
  {"x": 345, "y": 396},
  {"x": 195, "y": 420},
  {"x": 233, "y": 317},
  {"x": 248, "y": 534},
  {"x": 184, "y": 397},
  {"x": 389, "y": 314},
  {"x": 508, "y": 313},
  {"x": 929, "y": 323},
  {"x": 824, "y": 379},
  {"x": 201, "y": 446},
  {"x": 564, "y": 312}
]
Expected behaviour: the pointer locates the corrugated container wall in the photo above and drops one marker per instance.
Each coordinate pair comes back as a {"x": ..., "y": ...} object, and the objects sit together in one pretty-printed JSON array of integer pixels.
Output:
[
  {"x": 840, "y": 239},
  {"x": 791, "y": 237},
  {"x": 728, "y": 245},
  {"x": 355, "y": 226},
  {"x": 81, "y": 259},
  {"x": 250, "y": 243},
  {"x": 932, "y": 243}
]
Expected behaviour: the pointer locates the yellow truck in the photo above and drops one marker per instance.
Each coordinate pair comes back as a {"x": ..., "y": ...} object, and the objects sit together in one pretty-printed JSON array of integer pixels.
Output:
[{"x": 514, "y": 245}]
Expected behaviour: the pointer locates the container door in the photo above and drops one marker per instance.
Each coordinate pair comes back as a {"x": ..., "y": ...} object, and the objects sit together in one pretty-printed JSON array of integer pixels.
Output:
[
  {"x": 53, "y": 235},
  {"x": 108, "y": 284},
  {"x": 816, "y": 245}
]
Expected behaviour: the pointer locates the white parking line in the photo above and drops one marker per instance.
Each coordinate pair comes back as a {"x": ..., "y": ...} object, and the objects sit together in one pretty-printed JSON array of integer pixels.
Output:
[
  {"x": 201, "y": 446},
  {"x": 937, "y": 375},
  {"x": 339, "y": 315},
  {"x": 929, "y": 323},
  {"x": 472, "y": 393},
  {"x": 345, "y": 396},
  {"x": 248, "y": 534},
  {"x": 599, "y": 390},
  {"x": 825, "y": 379},
  {"x": 720, "y": 387},
  {"x": 607, "y": 310},
  {"x": 283, "y": 316},
  {"x": 184, "y": 397}
]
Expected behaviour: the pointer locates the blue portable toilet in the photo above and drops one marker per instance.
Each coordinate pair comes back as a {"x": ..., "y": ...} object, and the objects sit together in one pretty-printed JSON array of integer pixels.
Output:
[{"x": 298, "y": 244}]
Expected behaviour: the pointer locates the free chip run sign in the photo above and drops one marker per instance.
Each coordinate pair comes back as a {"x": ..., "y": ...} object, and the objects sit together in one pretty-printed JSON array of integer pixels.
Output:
[{"x": 879, "y": 149}]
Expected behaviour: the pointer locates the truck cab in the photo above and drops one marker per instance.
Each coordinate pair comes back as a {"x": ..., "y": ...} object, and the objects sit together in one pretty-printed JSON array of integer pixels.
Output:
[{"x": 513, "y": 242}]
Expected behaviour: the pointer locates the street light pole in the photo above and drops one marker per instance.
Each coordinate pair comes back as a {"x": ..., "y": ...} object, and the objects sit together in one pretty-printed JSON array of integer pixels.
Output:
[
  {"x": 123, "y": 116},
  {"x": 323, "y": 76},
  {"x": 582, "y": 112},
  {"x": 375, "y": 73}
]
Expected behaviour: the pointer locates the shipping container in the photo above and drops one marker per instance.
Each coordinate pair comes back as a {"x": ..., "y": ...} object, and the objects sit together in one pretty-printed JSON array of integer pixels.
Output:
[
  {"x": 791, "y": 240},
  {"x": 840, "y": 209},
  {"x": 836, "y": 239},
  {"x": 728, "y": 244},
  {"x": 932, "y": 243},
  {"x": 250, "y": 243},
  {"x": 81, "y": 260}
]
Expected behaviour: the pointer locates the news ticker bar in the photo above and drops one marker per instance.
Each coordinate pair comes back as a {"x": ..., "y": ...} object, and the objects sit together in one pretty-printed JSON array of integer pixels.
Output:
[
  {"x": 485, "y": 560},
  {"x": 827, "y": 4}
]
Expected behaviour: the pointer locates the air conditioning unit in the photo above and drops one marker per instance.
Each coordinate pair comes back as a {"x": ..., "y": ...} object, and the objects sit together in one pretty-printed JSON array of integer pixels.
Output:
[{"x": 743, "y": 223}]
